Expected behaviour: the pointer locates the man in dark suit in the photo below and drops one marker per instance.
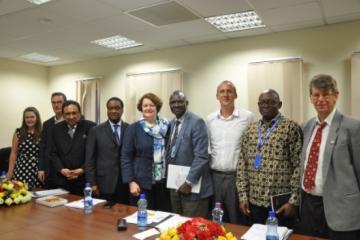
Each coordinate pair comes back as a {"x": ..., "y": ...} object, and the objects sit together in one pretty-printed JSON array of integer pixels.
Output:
[
  {"x": 330, "y": 167},
  {"x": 103, "y": 149},
  {"x": 46, "y": 169},
  {"x": 68, "y": 148},
  {"x": 188, "y": 146}
]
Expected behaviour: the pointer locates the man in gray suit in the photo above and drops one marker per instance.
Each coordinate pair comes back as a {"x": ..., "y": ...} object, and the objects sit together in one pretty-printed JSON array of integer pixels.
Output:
[
  {"x": 330, "y": 167},
  {"x": 188, "y": 146},
  {"x": 103, "y": 148}
]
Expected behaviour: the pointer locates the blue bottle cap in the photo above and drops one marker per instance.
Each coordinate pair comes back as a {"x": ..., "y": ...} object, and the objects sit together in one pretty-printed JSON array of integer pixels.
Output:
[
  {"x": 87, "y": 184},
  {"x": 142, "y": 196},
  {"x": 272, "y": 214}
]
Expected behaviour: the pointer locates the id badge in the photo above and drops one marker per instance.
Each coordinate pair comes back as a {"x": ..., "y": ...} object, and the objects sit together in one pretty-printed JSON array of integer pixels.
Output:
[{"x": 257, "y": 161}]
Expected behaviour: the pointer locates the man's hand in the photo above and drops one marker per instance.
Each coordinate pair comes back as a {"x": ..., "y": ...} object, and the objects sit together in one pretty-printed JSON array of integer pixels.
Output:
[
  {"x": 95, "y": 190},
  {"x": 41, "y": 176},
  {"x": 134, "y": 188},
  {"x": 185, "y": 188},
  {"x": 287, "y": 210},
  {"x": 244, "y": 208},
  {"x": 66, "y": 172},
  {"x": 9, "y": 174}
]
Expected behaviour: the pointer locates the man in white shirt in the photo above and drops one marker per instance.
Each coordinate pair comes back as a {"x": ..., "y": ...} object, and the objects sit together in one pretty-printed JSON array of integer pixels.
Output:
[{"x": 225, "y": 128}]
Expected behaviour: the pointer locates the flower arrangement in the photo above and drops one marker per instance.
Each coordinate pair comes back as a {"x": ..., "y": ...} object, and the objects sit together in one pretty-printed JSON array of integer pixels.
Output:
[
  {"x": 197, "y": 229},
  {"x": 13, "y": 192}
]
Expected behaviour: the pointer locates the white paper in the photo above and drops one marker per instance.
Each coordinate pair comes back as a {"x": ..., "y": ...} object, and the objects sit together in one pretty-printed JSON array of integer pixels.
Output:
[
  {"x": 50, "y": 192},
  {"x": 177, "y": 175},
  {"x": 258, "y": 232},
  {"x": 80, "y": 203},
  {"x": 172, "y": 222},
  {"x": 153, "y": 216},
  {"x": 146, "y": 234}
]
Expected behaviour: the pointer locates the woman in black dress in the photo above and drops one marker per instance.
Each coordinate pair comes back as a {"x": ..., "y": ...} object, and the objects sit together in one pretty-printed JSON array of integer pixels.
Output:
[{"x": 24, "y": 157}]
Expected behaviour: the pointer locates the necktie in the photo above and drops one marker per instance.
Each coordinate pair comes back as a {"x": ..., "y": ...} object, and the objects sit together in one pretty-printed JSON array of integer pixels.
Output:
[
  {"x": 312, "y": 163},
  {"x": 173, "y": 141},
  {"x": 71, "y": 132},
  {"x": 116, "y": 134}
]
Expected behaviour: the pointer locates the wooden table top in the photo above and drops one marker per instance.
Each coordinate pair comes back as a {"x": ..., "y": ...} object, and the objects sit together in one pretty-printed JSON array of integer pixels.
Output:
[{"x": 35, "y": 221}]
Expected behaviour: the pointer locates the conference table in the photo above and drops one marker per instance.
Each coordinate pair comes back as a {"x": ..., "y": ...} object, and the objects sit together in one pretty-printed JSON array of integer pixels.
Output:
[{"x": 35, "y": 221}]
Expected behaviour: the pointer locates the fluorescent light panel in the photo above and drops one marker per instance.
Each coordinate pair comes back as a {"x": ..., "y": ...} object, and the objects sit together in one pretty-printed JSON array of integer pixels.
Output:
[
  {"x": 236, "y": 21},
  {"x": 117, "y": 42},
  {"x": 40, "y": 57},
  {"x": 38, "y": 2}
]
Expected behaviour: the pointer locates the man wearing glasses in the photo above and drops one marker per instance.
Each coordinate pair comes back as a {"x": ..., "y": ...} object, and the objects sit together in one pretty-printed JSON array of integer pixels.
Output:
[
  {"x": 330, "y": 167},
  {"x": 269, "y": 163}
]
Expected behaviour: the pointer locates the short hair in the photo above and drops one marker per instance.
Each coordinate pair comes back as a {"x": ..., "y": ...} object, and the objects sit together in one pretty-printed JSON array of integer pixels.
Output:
[
  {"x": 54, "y": 94},
  {"x": 71, "y": 102},
  {"x": 115, "y": 99},
  {"x": 323, "y": 82},
  {"x": 155, "y": 99},
  {"x": 273, "y": 92},
  {"x": 227, "y": 82},
  {"x": 179, "y": 93}
]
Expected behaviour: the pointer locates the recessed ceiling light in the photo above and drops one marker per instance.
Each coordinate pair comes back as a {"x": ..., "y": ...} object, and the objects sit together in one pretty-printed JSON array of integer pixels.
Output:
[
  {"x": 117, "y": 42},
  {"x": 236, "y": 21},
  {"x": 38, "y": 2},
  {"x": 40, "y": 57}
]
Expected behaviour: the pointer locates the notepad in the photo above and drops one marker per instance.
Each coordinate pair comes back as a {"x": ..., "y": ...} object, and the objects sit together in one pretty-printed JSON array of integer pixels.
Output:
[
  {"x": 177, "y": 175},
  {"x": 278, "y": 200}
]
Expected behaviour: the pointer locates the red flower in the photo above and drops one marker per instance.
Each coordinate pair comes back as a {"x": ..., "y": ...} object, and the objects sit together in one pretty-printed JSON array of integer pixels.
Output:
[{"x": 200, "y": 229}]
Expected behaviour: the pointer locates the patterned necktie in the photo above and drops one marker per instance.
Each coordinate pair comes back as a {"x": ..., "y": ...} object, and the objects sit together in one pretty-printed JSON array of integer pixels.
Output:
[
  {"x": 71, "y": 132},
  {"x": 173, "y": 141},
  {"x": 116, "y": 134},
  {"x": 312, "y": 163}
]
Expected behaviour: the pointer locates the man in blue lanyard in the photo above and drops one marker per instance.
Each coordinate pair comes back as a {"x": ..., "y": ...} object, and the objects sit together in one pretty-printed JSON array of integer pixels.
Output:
[{"x": 269, "y": 163}]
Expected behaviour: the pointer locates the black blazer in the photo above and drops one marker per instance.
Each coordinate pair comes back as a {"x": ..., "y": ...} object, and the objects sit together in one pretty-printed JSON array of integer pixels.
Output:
[
  {"x": 102, "y": 166},
  {"x": 66, "y": 152},
  {"x": 44, "y": 161}
]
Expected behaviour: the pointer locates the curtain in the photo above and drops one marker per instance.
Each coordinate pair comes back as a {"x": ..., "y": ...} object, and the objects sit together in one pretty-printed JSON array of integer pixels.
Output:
[
  {"x": 88, "y": 95},
  {"x": 355, "y": 84},
  {"x": 284, "y": 76},
  {"x": 160, "y": 83}
]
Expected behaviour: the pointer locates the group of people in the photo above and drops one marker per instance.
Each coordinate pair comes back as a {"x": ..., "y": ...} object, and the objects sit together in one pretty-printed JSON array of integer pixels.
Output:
[{"x": 239, "y": 162}]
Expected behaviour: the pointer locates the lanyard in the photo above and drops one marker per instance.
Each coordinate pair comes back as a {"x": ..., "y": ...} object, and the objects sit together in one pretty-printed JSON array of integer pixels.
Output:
[{"x": 261, "y": 140}]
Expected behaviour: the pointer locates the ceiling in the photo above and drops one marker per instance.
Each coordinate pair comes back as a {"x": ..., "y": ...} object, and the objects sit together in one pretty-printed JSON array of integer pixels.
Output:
[{"x": 64, "y": 28}]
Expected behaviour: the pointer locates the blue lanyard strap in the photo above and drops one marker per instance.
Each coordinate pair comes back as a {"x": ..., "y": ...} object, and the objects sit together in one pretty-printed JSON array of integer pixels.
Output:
[{"x": 261, "y": 140}]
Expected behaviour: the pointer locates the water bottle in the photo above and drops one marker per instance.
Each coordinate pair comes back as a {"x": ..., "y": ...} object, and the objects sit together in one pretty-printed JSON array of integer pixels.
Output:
[
  {"x": 2, "y": 176},
  {"x": 217, "y": 213},
  {"x": 142, "y": 212},
  {"x": 88, "y": 201},
  {"x": 271, "y": 226}
]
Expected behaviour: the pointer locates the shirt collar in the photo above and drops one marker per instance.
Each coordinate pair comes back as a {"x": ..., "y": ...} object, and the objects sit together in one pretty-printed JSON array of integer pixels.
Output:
[
  {"x": 272, "y": 120},
  {"x": 234, "y": 114},
  {"x": 329, "y": 118},
  {"x": 112, "y": 124}
]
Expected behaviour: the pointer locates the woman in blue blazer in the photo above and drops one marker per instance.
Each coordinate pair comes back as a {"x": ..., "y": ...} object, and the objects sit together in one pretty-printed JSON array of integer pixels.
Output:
[{"x": 143, "y": 155}]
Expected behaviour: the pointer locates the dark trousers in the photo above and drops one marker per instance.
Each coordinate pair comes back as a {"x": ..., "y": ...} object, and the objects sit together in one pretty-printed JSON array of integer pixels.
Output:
[
  {"x": 75, "y": 186},
  {"x": 158, "y": 197},
  {"x": 121, "y": 194},
  {"x": 227, "y": 194},
  {"x": 313, "y": 221},
  {"x": 259, "y": 215}
]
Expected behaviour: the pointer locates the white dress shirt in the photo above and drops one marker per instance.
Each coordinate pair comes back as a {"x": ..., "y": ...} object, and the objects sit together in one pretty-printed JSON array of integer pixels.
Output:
[
  {"x": 319, "y": 183},
  {"x": 118, "y": 129},
  {"x": 224, "y": 138}
]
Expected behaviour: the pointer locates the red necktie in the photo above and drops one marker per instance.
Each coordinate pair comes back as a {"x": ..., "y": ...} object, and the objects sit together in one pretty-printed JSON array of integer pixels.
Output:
[{"x": 312, "y": 163}]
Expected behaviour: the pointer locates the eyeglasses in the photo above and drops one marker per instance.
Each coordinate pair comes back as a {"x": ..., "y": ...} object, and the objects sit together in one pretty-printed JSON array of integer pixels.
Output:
[
  {"x": 267, "y": 103},
  {"x": 325, "y": 96}
]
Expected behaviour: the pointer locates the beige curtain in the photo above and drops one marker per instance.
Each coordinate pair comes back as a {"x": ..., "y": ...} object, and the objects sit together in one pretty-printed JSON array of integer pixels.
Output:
[
  {"x": 284, "y": 76},
  {"x": 355, "y": 84},
  {"x": 88, "y": 95},
  {"x": 160, "y": 83}
]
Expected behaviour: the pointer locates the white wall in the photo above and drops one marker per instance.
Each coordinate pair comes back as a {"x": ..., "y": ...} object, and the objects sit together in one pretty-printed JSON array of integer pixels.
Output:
[
  {"x": 324, "y": 50},
  {"x": 21, "y": 85}
]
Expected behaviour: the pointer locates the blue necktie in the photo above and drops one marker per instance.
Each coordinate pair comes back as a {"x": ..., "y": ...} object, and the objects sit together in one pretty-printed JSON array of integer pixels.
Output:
[{"x": 116, "y": 134}]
